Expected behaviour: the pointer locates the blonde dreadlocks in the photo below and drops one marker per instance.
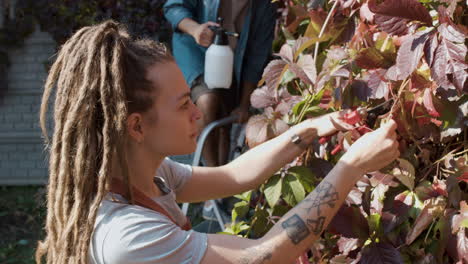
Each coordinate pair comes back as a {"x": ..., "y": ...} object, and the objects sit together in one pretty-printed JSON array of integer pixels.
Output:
[{"x": 99, "y": 77}]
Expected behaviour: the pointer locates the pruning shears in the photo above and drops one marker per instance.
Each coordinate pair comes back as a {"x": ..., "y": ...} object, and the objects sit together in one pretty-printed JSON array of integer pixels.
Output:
[{"x": 364, "y": 117}]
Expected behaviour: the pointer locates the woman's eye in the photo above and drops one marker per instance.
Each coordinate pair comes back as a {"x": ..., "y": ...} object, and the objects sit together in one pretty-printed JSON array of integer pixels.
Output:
[{"x": 186, "y": 104}]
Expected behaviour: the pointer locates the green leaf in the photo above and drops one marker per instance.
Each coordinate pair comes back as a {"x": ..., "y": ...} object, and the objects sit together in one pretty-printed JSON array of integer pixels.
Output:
[
  {"x": 260, "y": 222},
  {"x": 306, "y": 177},
  {"x": 245, "y": 196},
  {"x": 240, "y": 210},
  {"x": 288, "y": 195},
  {"x": 296, "y": 187},
  {"x": 273, "y": 190},
  {"x": 374, "y": 221}
]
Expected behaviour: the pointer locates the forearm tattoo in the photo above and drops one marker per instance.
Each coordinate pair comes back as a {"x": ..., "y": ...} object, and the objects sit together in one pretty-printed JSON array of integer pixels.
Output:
[
  {"x": 324, "y": 194},
  {"x": 296, "y": 229},
  {"x": 257, "y": 255}
]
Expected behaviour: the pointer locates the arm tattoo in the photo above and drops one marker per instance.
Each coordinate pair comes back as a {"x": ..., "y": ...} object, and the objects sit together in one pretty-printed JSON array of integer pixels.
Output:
[
  {"x": 316, "y": 225},
  {"x": 296, "y": 229},
  {"x": 325, "y": 194},
  {"x": 257, "y": 255}
]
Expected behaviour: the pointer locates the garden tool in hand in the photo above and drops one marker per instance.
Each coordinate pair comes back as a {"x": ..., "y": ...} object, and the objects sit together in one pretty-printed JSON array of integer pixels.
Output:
[
  {"x": 219, "y": 59},
  {"x": 363, "y": 117}
]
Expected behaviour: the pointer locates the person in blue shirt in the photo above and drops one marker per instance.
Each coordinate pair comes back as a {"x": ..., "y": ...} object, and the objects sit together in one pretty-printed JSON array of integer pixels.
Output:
[{"x": 255, "y": 22}]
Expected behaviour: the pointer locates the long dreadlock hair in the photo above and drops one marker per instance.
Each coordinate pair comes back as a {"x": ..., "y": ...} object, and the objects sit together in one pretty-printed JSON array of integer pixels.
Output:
[{"x": 100, "y": 78}]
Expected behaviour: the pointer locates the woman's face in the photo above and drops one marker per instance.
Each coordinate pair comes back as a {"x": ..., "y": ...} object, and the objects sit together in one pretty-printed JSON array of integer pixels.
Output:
[{"x": 170, "y": 125}]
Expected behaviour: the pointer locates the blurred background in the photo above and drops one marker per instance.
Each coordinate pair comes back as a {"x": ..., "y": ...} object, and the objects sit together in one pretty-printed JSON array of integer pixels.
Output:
[{"x": 30, "y": 33}]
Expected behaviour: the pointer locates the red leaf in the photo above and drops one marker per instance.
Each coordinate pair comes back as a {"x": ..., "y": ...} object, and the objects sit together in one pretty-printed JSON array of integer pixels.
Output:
[
  {"x": 383, "y": 253},
  {"x": 346, "y": 245},
  {"x": 378, "y": 84},
  {"x": 365, "y": 13},
  {"x": 261, "y": 128},
  {"x": 286, "y": 53},
  {"x": 430, "y": 48},
  {"x": 451, "y": 32},
  {"x": 263, "y": 97},
  {"x": 462, "y": 246},
  {"x": 410, "y": 54},
  {"x": 307, "y": 64},
  {"x": 273, "y": 72},
  {"x": 409, "y": 9},
  {"x": 392, "y": 25},
  {"x": 303, "y": 259},
  {"x": 463, "y": 177},
  {"x": 349, "y": 222},
  {"x": 459, "y": 218},
  {"x": 449, "y": 58},
  {"x": 427, "y": 100},
  {"x": 371, "y": 58},
  {"x": 432, "y": 208}
]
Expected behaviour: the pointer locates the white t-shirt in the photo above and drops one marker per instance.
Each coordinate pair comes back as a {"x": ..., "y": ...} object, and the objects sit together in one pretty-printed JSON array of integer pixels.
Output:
[{"x": 129, "y": 234}]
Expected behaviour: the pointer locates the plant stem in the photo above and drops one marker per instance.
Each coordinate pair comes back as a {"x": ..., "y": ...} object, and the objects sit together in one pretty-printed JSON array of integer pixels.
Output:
[{"x": 323, "y": 29}]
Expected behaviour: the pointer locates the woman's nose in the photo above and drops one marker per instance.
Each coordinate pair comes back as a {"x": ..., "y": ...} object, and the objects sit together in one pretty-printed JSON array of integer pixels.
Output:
[{"x": 197, "y": 113}]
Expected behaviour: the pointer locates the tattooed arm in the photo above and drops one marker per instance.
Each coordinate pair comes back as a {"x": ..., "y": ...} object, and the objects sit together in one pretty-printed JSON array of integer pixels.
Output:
[{"x": 300, "y": 227}]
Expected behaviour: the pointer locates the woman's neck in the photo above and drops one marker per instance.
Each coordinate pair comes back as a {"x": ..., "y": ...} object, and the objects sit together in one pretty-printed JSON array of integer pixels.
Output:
[{"x": 141, "y": 172}]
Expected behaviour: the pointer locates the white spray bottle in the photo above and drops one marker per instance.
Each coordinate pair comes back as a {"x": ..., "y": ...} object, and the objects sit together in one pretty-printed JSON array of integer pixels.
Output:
[{"x": 219, "y": 59}]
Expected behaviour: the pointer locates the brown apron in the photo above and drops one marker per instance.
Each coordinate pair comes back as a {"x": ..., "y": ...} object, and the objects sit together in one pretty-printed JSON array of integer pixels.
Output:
[{"x": 142, "y": 200}]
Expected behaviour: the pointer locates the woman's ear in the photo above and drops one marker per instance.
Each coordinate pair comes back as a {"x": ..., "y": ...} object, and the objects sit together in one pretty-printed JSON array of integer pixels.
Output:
[{"x": 134, "y": 127}]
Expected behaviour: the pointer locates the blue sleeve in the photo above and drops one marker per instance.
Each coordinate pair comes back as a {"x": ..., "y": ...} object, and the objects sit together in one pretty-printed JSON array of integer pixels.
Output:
[
  {"x": 260, "y": 41},
  {"x": 176, "y": 10}
]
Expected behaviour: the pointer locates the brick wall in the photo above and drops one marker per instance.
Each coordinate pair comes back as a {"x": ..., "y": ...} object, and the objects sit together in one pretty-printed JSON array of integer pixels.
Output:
[{"x": 22, "y": 156}]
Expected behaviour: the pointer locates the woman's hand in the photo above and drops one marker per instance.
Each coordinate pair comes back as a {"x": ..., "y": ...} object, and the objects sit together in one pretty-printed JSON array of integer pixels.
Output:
[
  {"x": 203, "y": 35},
  {"x": 330, "y": 123},
  {"x": 374, "y": 150}
]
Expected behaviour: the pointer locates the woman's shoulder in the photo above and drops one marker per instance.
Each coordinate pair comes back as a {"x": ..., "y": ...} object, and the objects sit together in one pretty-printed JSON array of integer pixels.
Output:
[{"x": 129, "y": 231}]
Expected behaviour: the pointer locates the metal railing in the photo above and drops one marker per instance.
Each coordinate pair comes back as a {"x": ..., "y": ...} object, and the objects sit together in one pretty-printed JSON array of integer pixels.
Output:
[{"x": 197, "y": 157}]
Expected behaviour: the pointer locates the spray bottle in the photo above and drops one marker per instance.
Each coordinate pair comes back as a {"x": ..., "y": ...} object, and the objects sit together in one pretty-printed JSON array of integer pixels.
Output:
[{"x": 219, "y": 59}]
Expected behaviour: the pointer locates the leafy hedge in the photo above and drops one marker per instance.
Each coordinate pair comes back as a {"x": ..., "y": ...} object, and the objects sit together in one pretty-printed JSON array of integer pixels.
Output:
[{"x": 346, "y": 54}]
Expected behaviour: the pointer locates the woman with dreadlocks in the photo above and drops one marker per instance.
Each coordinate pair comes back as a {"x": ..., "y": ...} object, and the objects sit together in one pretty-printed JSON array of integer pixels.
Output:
[{"x": 121, "y": 107}]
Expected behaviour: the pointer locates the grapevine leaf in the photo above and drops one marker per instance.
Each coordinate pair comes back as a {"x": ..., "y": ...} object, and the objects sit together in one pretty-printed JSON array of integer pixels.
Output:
[
  {"x": 460, "y": 220},
  {"x": 449, "y": 58},
  {"x": 409, "y": 54},
  {"x": 346, "y": 245},
  {"x": 378, "y": 85},
  {"x": 451, "y": 32},
  {"x": 286, "y": 52},
  {"x": 430, "y": 48},
  {"x": 287, "y": 194},
  {"x": 273, "y": 190},
  {"x": 307, "y": 64},
  {"x": 365, "y": 13},
  {"x": 378, "y": 196},
  {"x": 462, "y": 246},
  {"x": 408, "y": 9},
  {"x": 433, "y": 208},
  {"x": 354, "y": 197},
  {"x": 260, "y": 222},
  {"x": 296, "y": 188},
  {"x": 261, "y": 128},
  {"x": 371, "y": 58},
  {"x": 274, "y": 72},
  {"x": 240, "y": 210},
  {"x": 305, "y": 176},
  {"x": 263, "y": 97},
  {"x": 383, "y": 253},
  {"x": 349, "y": 222},
  {"x": 405, "y": 173},
  {"x": 392, "y": 25},
  {"x": 427, "y": 100}
]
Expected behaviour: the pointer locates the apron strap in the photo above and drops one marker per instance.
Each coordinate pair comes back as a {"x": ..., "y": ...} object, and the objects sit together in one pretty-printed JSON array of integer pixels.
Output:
[{"x": 143, "y": 200}]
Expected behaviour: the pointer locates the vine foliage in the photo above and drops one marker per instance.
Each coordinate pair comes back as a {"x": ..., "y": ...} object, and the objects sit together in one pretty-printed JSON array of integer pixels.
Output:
[{"x": 346, "y": 54}]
